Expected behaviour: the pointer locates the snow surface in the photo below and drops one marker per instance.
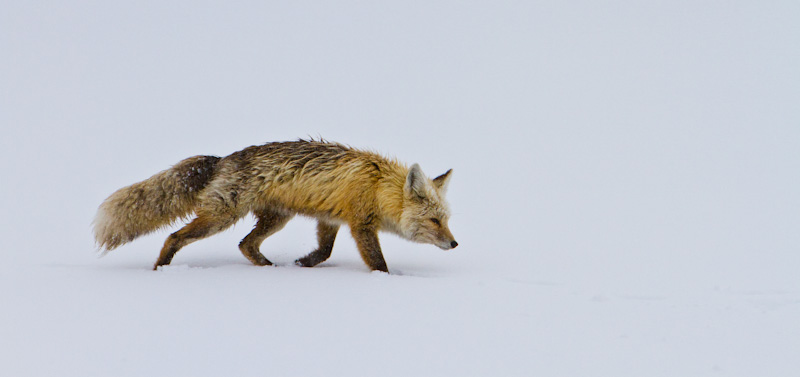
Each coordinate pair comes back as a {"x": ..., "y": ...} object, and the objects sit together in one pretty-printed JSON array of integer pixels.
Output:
[{"x": 626, "y": 188}]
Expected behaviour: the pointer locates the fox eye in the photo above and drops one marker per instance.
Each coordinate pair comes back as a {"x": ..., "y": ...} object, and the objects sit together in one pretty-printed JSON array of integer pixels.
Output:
[{"x": 436, "y": 221}]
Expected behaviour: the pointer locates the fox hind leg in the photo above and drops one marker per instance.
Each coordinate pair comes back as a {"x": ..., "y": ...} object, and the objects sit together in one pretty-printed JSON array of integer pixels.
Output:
[
  {"x": 326, "y": 235},
  {"x": 269, "y": 222},
  {"x": 201, "y": 227}
]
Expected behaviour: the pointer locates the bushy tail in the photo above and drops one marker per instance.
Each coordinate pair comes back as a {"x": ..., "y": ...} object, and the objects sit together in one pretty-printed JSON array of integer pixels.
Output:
[{"x": 156, "y": 202}]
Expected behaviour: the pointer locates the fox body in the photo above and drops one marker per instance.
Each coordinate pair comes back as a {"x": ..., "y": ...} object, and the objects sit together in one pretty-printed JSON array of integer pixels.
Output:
[{"x": 328, "y": 181}]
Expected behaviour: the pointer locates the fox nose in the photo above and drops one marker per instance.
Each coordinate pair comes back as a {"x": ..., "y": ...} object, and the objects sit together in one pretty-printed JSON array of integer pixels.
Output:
[{"x": 453, "y": 244}]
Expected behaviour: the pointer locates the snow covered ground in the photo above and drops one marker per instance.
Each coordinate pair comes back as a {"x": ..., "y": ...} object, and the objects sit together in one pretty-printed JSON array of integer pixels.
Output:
[{"x": 626, "y": 189}]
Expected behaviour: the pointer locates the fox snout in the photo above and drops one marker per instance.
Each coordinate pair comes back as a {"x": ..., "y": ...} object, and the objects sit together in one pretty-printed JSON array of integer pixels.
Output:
[
  {"x": 446, "y": 241},
  {"x": 445, "y": 245}
]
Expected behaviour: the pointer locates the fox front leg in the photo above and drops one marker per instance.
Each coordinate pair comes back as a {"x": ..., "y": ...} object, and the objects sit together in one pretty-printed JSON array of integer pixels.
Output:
[
  {"x": 367, "y": 241},
  {"x": 326, "y": 234}
]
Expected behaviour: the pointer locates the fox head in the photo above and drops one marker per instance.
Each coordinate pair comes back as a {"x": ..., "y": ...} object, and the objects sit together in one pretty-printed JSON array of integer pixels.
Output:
[{"x": 425, "y": 212}]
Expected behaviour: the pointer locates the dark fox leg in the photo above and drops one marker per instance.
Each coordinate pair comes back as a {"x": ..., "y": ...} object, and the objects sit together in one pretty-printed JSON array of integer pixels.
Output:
[
  {"x": 201, "y": 227},
  {"x": 369, "y": 247},
  {"x": 326, "y": 234},
  {"x": 269, "y": 222}
]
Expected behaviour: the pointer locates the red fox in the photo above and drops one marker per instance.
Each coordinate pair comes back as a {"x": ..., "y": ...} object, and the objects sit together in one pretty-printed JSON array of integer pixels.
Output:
[{"x": 328, "y": 181}]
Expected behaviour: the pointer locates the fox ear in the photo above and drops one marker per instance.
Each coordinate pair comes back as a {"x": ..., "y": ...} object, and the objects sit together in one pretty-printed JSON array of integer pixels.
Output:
[
  {"x": 442, "y": 181},
  {"x": 416, "y": 181}
]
